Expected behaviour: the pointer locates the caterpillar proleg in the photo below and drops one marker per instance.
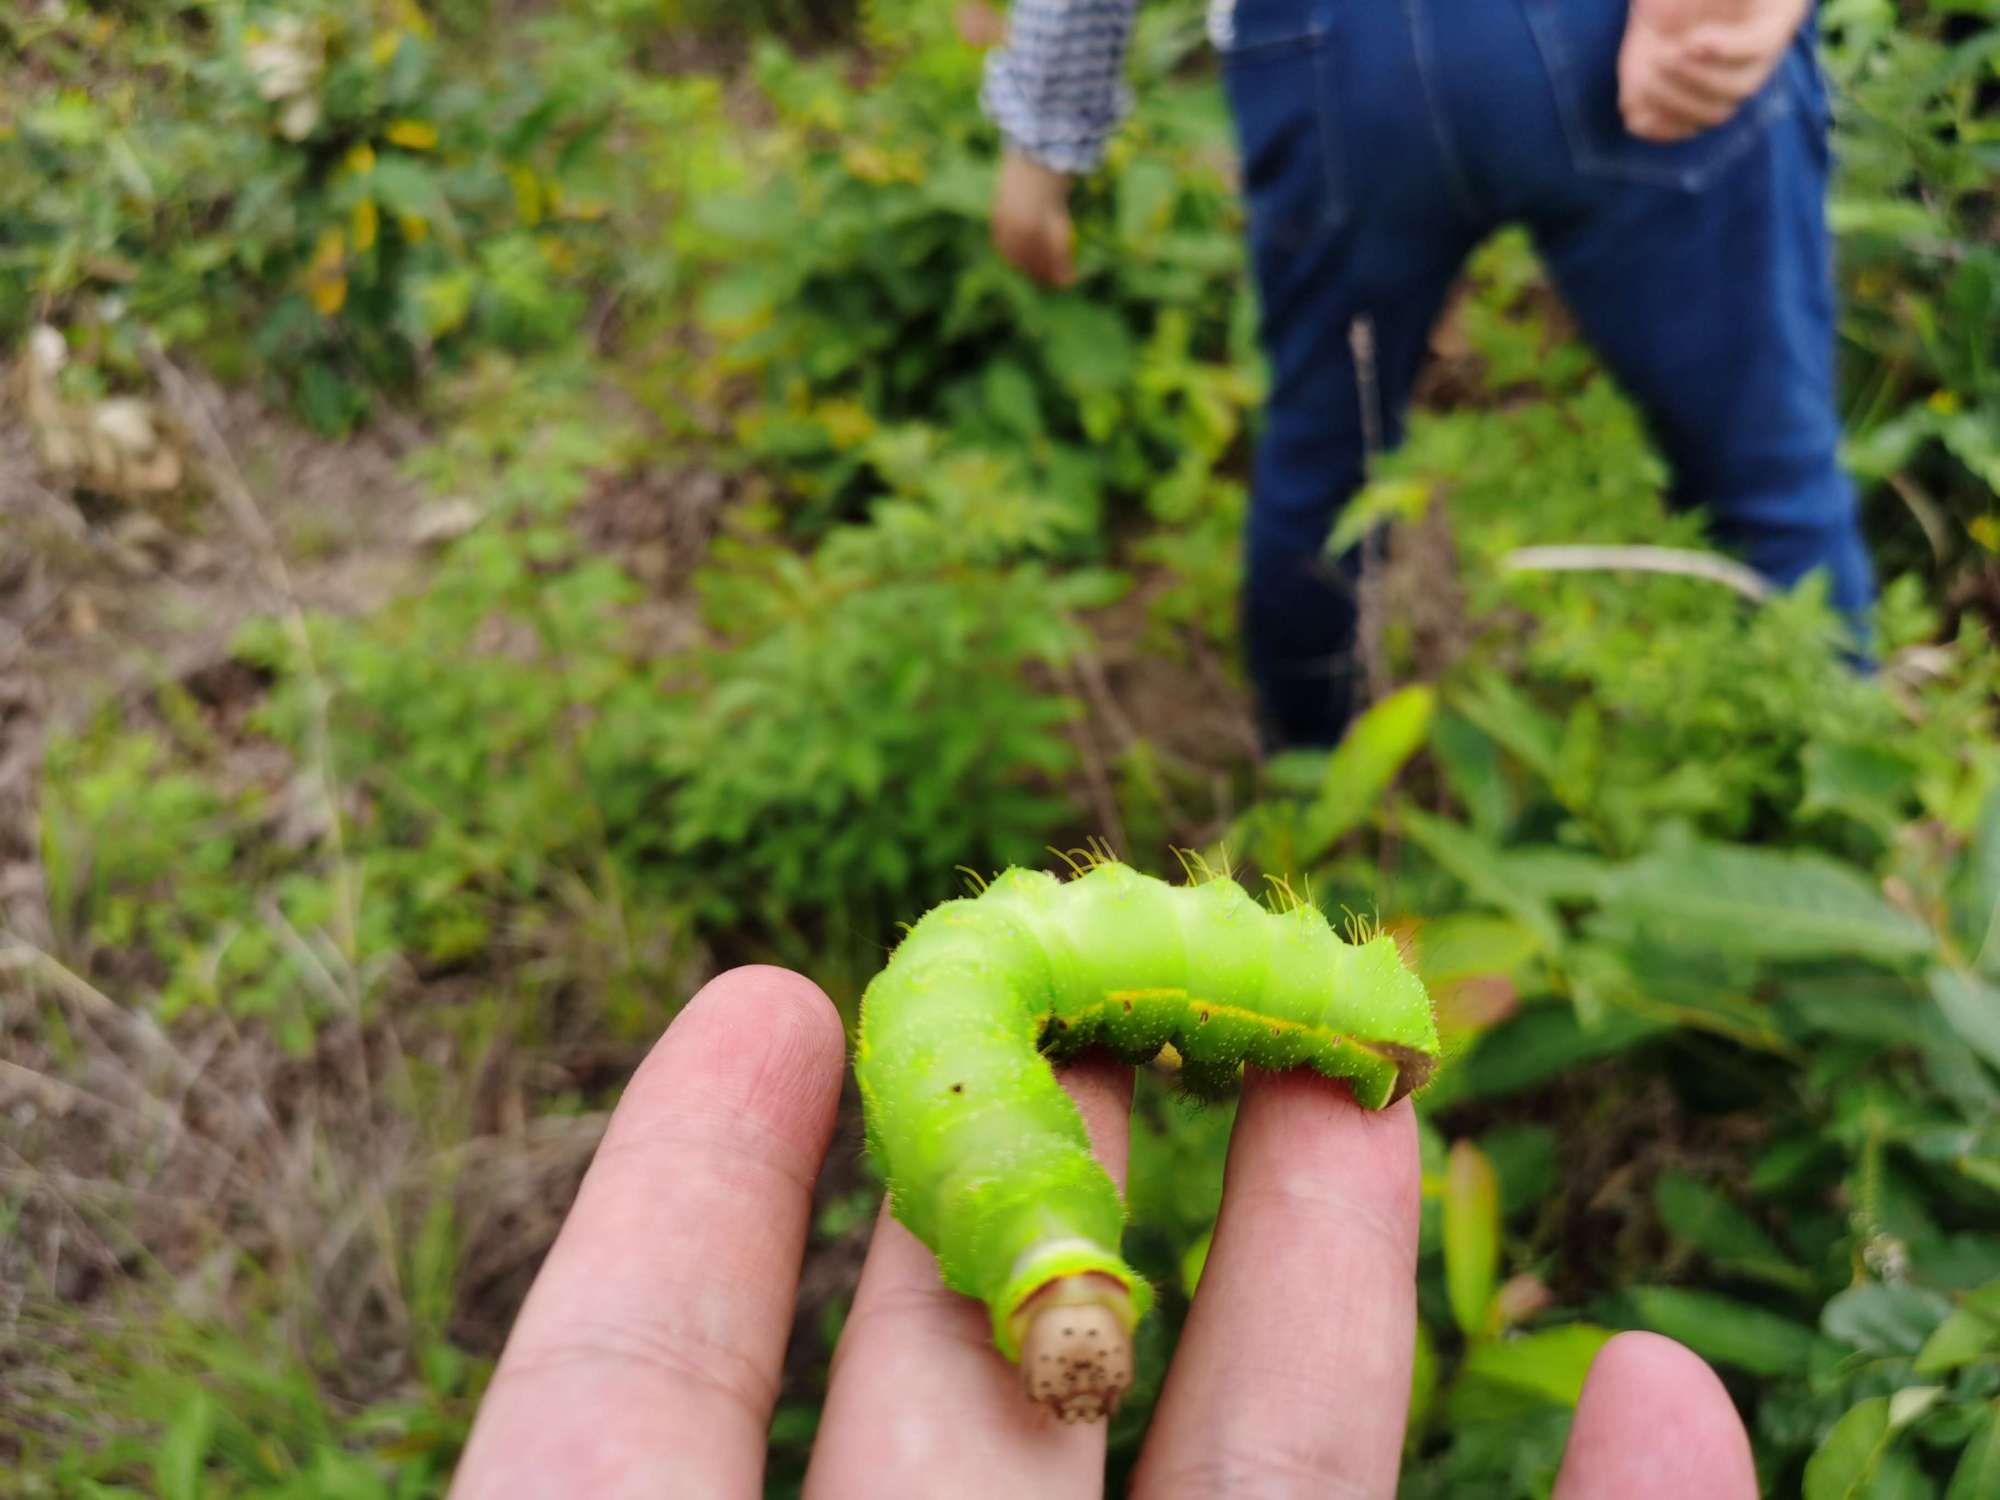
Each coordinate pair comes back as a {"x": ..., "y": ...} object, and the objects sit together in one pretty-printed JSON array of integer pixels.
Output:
[{"x": 986, "y": 1157}]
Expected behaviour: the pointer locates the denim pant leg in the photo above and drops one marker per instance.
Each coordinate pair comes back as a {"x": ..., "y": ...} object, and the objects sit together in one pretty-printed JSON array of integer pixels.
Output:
[
  {"x": 1703, "y": 274},
  {"x": 1350, "y": 219}
]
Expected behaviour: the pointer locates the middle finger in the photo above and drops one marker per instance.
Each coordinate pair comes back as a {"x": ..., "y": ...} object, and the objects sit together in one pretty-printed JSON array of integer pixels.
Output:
[
  {"x": 921, "y": 1404},
  {"x": 1293, "y": 1371}
]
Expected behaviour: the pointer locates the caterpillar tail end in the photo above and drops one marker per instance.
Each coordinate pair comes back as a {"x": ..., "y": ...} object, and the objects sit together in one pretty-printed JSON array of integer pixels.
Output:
[{"x": 1076, "y": 1347}]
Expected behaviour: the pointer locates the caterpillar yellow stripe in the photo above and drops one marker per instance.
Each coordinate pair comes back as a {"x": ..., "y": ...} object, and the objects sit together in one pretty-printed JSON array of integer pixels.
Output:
[{"x": 986, "y": 1157}]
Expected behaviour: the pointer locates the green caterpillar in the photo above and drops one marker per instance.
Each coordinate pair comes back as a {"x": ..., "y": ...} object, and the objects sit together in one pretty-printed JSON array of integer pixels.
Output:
[{"x": 986, "y": 1157}]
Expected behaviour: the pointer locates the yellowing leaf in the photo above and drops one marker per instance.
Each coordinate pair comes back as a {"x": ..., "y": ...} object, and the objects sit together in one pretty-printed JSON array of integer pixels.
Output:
[
  {"x": 416, "y": 228},
  {"x": 411, "y": 135},
  {"x": 367, "y": 221},
  {"x": 326, "y": 274},
  {"x": 383, "y": 49},
  {"x": 560, "y": 257},
  {"x": 848, "y": 423},
  {"x": 409, "y": 15},
  {"x": 361, "y": 160},
  {"x": 527, "y": 194},
  {"x": 328, "y": 293}
]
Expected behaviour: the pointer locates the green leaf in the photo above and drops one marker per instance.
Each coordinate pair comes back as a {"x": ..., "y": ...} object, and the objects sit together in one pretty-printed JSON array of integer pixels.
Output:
[
  {"x": 1973, "y": 1008},
  {"x": 1479, "y": 867},
  {"x": 1423, "y": 1383},
  {"x": 1540, "y": 1042},
  {"x": 1983, "y": 881},
  {"x": 1762, "y": 903},
  {"x": 1010, "y": 397},
  {"x": 1086, "y": 345},
  {"x": 1865, "y": 782},
  {"x": 1723, "y": 1232},
  {"x": 1550, "y": 1364},
  {"x": 1376, "y": 746},
  {"x": 1723, "y": 1330},
  {"x": 1978, "y": 1474},
  {"x": 1383, "y": 500},
  {"x": 1498, "y": 707},
  {"x": 1195, "y": 1261},
  {"x": 1855, "y": 1459},
  {"x": 1972, "y": 1329},
  {"x": 177, "y": 1467},
  {"x": 1461, "y": 944},
  {"x": 1884, "y": 1320},
  {"x": 1469, "y": 761},
  {"x": 1471, "y": 1236}
]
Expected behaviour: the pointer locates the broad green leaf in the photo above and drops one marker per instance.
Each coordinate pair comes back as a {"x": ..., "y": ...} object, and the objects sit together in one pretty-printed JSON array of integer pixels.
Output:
[
  {"x": 1870, "y": 784},
  {"x": 1497, "y": 706},
  {"x": 1911, "y": 1402},
  {"x": 1470, "y": 763},
  {"x": 1524, "y": 1159},
  {"x": 1540, "y": 1042},
  {"x": 1471, "y": 1236},
  {"x": 1010, "y": 398},
  {"x": 1723, "y": 1232},
  {"x": 1460, "y": 944},
  {"x": 1382, "y": 501},
  {"x": 1479, "y": 867},
  {"x": 177, "y": 1467},
  {"x": 1844, "y": 1465},
  {"x": 1973, "y": 1008},
  {"x": 1762, "y": 903},
  {"x": 1550, "y": 1364},
  {"x": 1542, "y": 872},
  {"x": 1086, "y": 345},
  {"x": 1857, "y": 1459},
  {"x": 1972, "y": 1329},
  {"x": 1885, "y": 1320},
  {"x": 1146, "y": 193},
  {"x": 1902, "y": 220},
  {"x": 1376, "y": 746},
  {"x": 1723, "y": 1330},
  {"x": 1978, "y": 1474}
]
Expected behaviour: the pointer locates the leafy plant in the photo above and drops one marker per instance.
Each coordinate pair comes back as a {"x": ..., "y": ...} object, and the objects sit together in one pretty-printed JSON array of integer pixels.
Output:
[{"x": 306, "y": 190}]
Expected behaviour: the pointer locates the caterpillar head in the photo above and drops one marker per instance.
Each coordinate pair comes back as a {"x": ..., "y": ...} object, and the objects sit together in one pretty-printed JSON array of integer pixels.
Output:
[{"x": 1076, "y": 1352}]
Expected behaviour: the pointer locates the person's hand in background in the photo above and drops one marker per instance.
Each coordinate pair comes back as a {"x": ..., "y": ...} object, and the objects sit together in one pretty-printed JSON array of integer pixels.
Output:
[
  {"x": 1031, "y": 224},
  {"x": 648, "y": 1356},
  {"x": 1688, "y": 65}
]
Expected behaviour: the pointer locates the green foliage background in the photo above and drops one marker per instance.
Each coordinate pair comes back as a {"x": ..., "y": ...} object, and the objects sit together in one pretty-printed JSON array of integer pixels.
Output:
[{"x": 1690, "y": 893}]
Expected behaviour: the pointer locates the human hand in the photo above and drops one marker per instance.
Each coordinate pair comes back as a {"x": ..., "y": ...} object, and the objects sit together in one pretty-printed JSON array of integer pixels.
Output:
[
  {"x": 981, "y": 25},
  {"x": 646, "y": 1359},
  {"x": 1687, "y": 65},
  {"x": 1031, "y": 225}
]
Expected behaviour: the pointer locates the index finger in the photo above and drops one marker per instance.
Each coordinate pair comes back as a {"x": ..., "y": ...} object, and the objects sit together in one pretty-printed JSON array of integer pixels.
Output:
[
  {"x": 1293, "y": 1372},
  {"x": 646, "y": 1359}
]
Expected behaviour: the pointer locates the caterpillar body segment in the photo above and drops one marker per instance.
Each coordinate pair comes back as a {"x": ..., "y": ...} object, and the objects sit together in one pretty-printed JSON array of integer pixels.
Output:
[{"x": 987, "y": 1159}]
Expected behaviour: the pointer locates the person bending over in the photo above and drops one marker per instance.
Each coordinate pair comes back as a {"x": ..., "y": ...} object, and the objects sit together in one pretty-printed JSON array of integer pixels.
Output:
[{"x": 1670, "y": 159}]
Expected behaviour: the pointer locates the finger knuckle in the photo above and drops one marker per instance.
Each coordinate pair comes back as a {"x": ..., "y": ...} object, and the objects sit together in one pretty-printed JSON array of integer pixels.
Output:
[{"x": 671, "y": 1354}]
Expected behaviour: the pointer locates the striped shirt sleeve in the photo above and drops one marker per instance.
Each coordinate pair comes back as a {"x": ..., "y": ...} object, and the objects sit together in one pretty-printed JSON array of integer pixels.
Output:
[{"x": 1056, "y": 90}]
